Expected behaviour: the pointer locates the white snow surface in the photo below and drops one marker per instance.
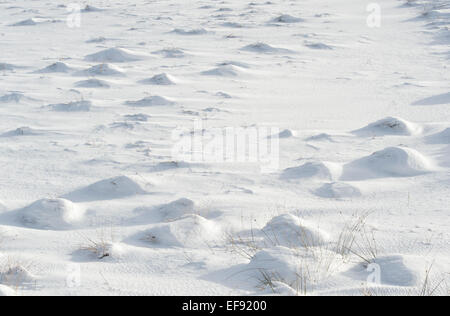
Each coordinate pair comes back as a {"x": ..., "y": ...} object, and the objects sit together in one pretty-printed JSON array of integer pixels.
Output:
[{"x": 93, "y": 201}]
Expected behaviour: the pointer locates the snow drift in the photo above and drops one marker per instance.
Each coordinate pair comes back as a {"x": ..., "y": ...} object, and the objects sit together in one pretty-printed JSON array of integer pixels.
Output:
[
  {"x": 114, "y": 55},
  {"x": 389, "y": 126},
  {"x": 52, "y": 214},
  {"x": 160, "y": 79},
  {"x": 177, "y": 209},
  {"x": 190, "y": 231},
  {"x": 313, "y": 171},
  {"x": 389, "y": 162},
  {"x": 290, "y": 231},
  {"x": 338, "y": 190},
  {"x": 114, "y": 188},
  {"x": 151, "y": 101},
  {"x": 101, "y": 70}
]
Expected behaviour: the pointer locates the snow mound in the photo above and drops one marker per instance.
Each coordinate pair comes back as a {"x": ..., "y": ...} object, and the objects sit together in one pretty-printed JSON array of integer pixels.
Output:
[
  {"x": 92, "y": 83},
  {"x": 290, "y": 231},
  {"x": 6, "y": 291},
  {"x": 320, "y": 137},
  {"x": 319, "y": 46},
  {"x": 389, "y": 162},
  {"x": 223, "y": 71},
  {"x": 264, "y": 48},
  {"x": 53, "y": 214},
  {"x": 151, "y": 101},
  {"x": 177, "y": 209},
  {"x": 77, "y": 106},
  {"x": 389, "y": 126},
  {"x": 338, "y": 190},
  {"x": 200, "y": 31},
  {"x": 191, "y": 231},
  {"x": 57, "y": 67},
  {"x": 278, "y": 264},
  {"x": 2, "y": 206},
  {"x": 27, "y": 22},
  {"x": 233, "y": 25},
  {"x": 114, "y": 188},
  {"x": 286, "y": 18},
  {"x": 390, "y": 270},
  {"x": 9, "y": 67},
  {"x": 21, "y": 131},
  {"x": 16, "y": 276},
  {"x": 161, "y": 80},
  {"x": 101, "y": 70},
  {"x": 287, "y": 133},
  {"x": 171, "y": 53},
  {"x": 114, "y": 55},
  {"x": 312, "y": 170},
  {"x": 234, "y": 63},
  {"x": 89, "y": 8},
  {"x": 440, "y": 138},
  {"x": 223, "y": 95},
  {"x": 137, "y": 117},
  {"x": 12, "y": 98}
]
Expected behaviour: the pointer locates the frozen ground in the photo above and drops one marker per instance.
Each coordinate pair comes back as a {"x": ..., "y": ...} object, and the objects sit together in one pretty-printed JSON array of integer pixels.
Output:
[{"x": 92, "y": 200}]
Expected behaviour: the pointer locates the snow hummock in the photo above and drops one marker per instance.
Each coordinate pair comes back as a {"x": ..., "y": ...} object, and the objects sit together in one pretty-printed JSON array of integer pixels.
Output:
[
  {"x": 223, "y": 71},
  {"x": 76, "y": 106},
  {"x": 191, "y": 231},
  {"x": 389, "y": 162},
  {"x": 89, "y": 8},
  {"x": 92, "y": 83},
  {"x": 151, "y": 101},
  {"x": 177, "y": 209},
  {"x": 290, "y": 231},
  {"x": 318, "y": 45},
  {"x": 160, "y": 79},
  {"x": 199, "y": 31},
  {"x": 171, "y": 53},
  {"x": 12, "y": 98},
  {"x": 52, "y": 214},
  {"x": 286, "y": 18},
  {"x": 21, "y": 131},
  {"x": 114, "y": 55},
  {"x": 265, "y": 49},
  {"x": 15, "y": 275},
  {"x": 280, "y": 264},
  {"x": 312, "y": 170},
  {"x": 389, "y": 126},
  {"x": 57, "y": 67},
  {"x": 320, "y": 137},
  {"x": 113, "y": 188},
  {"x": 5, "y": 66},
  {"x": 338, "y": 190},
  {"x": 101, "y": 70},
  {"x": 287, "y": 133},
  {"x": 27, "y": 22}
]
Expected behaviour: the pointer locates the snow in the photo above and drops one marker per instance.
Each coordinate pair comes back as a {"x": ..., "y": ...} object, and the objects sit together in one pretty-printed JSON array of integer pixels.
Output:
[
  {"x": 389, "y": 162},
  {"x": 51, "y": 214},
  {"x": 355, "y": 190},
  {"x": 290, "y": 231},
  {"x": 160, "y": 79},
  {"x": 114, "y": 55},
  {"x": 389, "y": 126},
  {"x": 113, "y": 188}
]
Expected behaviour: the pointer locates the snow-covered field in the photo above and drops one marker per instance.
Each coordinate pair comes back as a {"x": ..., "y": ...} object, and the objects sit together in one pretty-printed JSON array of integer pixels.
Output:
[{"x": 102, "y": 193}]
